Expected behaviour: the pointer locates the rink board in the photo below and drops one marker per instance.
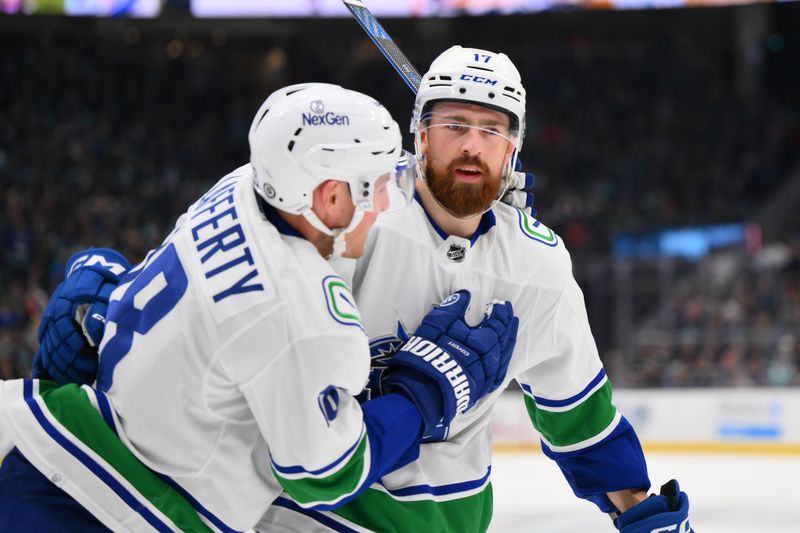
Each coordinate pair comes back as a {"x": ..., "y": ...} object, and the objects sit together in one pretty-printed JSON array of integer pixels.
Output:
[{"x": 739, "y": 420}]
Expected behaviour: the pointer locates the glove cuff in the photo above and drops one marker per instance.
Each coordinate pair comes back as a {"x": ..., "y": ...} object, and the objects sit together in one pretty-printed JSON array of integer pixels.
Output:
[
  {"x": 421, "y": 390},
  {"x": 109, "y": 263}
]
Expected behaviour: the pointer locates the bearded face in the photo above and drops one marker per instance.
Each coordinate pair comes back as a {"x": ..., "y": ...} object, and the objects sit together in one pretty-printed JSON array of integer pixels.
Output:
[
  {"x": 467, "y": 147},
  {"x": 464, "y": 186}
]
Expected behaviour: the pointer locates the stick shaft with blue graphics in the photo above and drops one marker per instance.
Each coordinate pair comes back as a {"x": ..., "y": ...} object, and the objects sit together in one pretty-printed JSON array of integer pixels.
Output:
[{"x": 385, "y": 43}]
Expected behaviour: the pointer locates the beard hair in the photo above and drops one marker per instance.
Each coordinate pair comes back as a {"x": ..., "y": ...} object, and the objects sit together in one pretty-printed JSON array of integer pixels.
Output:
[{"x": 462, "y": 198}]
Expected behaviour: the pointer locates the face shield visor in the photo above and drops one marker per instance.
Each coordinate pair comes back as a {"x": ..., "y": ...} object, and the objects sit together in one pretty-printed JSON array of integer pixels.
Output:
[
  {"x": 388, "y": 192},
  {"x": 469, "y": 158}
]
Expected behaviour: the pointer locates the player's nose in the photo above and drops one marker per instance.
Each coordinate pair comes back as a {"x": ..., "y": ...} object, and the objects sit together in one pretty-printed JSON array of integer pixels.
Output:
[{"x": 471, "y": 142}]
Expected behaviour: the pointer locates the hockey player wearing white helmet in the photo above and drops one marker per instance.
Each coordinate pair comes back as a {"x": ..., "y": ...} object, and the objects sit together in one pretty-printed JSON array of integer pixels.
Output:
[
  {"x": 468, "y": 122},
  {"x": 231, "y": 355}
]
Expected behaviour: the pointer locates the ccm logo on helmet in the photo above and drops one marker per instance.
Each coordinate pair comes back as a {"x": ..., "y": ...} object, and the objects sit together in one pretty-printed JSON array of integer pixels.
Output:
[{"x": 478, "y": 79}]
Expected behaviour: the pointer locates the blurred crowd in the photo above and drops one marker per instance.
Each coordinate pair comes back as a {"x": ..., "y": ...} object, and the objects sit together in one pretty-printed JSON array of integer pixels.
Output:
[
  {"x": 737, "y": 323},
  {"x": 104, "y": 141}
]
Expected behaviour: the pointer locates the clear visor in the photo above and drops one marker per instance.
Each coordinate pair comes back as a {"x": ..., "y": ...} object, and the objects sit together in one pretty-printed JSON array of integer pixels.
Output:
[
  {"x": 488, "y": 133},
  {"x": 494, "y": 131},
  {"x": 390, "y": 191}
]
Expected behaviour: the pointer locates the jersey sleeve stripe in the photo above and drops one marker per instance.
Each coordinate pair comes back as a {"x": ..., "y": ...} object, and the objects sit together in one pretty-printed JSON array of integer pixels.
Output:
[
  {"x": 578, "y": 425},
  {"x": 588, "y": 442},
  {"x": 316, "y": 515},
  {"x": 568, "y": 403},
  {"x": 290, "y": 472},
  {"x": 440, "y": 490},
  {"x": 323, "y": 493}
]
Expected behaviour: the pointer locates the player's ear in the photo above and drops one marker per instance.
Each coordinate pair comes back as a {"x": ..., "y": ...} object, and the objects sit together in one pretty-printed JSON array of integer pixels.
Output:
[
  {"x": 423, "y": 141},
  {"x": 509, "y": 153},
  {"x": 332, "y": 203}
]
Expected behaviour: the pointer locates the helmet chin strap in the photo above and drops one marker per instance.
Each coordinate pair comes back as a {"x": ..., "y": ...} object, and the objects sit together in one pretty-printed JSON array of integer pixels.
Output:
[
  {"x": 344, "y": 266},
  {"x": 338, "y": 234}
]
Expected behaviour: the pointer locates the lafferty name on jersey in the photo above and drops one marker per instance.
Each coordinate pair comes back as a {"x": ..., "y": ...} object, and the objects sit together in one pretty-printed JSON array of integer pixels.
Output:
[{"x": 220, "y": 241}]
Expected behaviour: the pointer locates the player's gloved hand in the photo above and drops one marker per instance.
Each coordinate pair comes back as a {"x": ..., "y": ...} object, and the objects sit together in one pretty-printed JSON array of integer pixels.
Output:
[
  {"x": 447, "y": 366},
  {"x": 519, "y": 190},
  {"x": 73, "y": 322},
  {"x": 669, "y": 511}
]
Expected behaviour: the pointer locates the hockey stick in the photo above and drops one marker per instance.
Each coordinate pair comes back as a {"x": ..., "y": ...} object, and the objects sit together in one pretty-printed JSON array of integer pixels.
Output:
[{"x": 385, "y": 43}]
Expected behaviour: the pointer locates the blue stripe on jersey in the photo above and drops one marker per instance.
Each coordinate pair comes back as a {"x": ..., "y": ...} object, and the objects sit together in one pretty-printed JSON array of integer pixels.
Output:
[
  {"x": 105, "y": 410},
  {"x": 275, "y": 219},
  {"x": 123, "y": 493},
  {"x": 440, "y": 490},
  {"x": 198, "y": 506},
  {"x": 488, "y": 220},
  {"x": 568, "y": 401},
  {"x": 435, "y": 226},
  {"x": 297, "y": 469},
  {"x": 316, "y": 515}
]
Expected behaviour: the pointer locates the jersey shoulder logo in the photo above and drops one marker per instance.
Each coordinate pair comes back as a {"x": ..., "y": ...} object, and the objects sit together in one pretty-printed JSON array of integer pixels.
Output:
[
  {"x": 328, "y": 401},
  {"x": 535, "y": 230},
  {"x": 340, "y": 301}
]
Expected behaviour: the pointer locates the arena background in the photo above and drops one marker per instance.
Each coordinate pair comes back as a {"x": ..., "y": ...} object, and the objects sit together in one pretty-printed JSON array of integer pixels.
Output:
[{"x": 665, "y": 144}]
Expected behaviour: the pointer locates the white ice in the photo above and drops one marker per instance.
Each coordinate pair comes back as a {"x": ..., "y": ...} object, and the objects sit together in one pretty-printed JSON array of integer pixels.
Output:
[{"x": 727, "y": 494}]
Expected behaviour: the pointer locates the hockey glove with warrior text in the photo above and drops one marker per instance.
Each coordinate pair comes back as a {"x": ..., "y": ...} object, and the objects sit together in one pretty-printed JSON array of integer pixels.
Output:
[
  {"x": 74, "y": 320},
  {"x": 447, "y": 366},
  {"x": 669, "y": 511}
]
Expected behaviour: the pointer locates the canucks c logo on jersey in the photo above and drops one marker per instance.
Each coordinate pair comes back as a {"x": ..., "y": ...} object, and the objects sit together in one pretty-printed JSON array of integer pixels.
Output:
[
  {"x": 341, "y": 304},
  {"x": 328, "y": 401},
  {"x": 535, "y": 230}
]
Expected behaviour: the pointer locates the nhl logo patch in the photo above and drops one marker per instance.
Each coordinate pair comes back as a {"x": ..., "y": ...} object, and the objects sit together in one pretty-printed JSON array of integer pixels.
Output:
[{"x": 456, "y": 253}]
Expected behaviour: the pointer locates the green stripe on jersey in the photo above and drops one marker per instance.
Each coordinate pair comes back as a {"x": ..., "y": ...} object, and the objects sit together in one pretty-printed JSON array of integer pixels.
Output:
[
  {"x": 378, "y": 511},
  {"x": 328, "y": 489},
  {"x": 70, "y": 405},
  {"x": 575, "y": 425}
]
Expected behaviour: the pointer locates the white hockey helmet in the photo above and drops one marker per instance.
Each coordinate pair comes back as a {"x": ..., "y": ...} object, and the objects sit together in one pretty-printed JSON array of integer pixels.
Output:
[
  {"x": 308, "y": 133},
  {"x": 473, "y": 76}
]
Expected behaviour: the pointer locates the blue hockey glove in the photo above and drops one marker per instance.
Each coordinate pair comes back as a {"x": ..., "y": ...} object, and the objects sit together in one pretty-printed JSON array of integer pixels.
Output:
[
  {"x": 519, "y": 190},
  {"x": 669, "y": 511},
  {"x": 447, "y": 366},
  {"x": 74, "y": 320}
]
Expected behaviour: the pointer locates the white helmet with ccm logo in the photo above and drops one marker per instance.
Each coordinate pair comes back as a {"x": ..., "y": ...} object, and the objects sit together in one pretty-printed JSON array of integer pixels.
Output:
[
  {"x": 306, "y": 134},
  {"x": 474, "y": 76}
]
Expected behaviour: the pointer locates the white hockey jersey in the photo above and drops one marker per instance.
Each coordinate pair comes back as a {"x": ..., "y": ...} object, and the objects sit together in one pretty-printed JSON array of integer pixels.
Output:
[
  {"x": 410, "y": 265},
  {"x": 228, "y": 366}
]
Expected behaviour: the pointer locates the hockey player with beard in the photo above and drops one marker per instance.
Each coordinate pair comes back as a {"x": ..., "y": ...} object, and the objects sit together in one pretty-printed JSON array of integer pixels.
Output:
[
  {"x": 231, "y": 355},
  {"x": 468, "y": 123}
]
